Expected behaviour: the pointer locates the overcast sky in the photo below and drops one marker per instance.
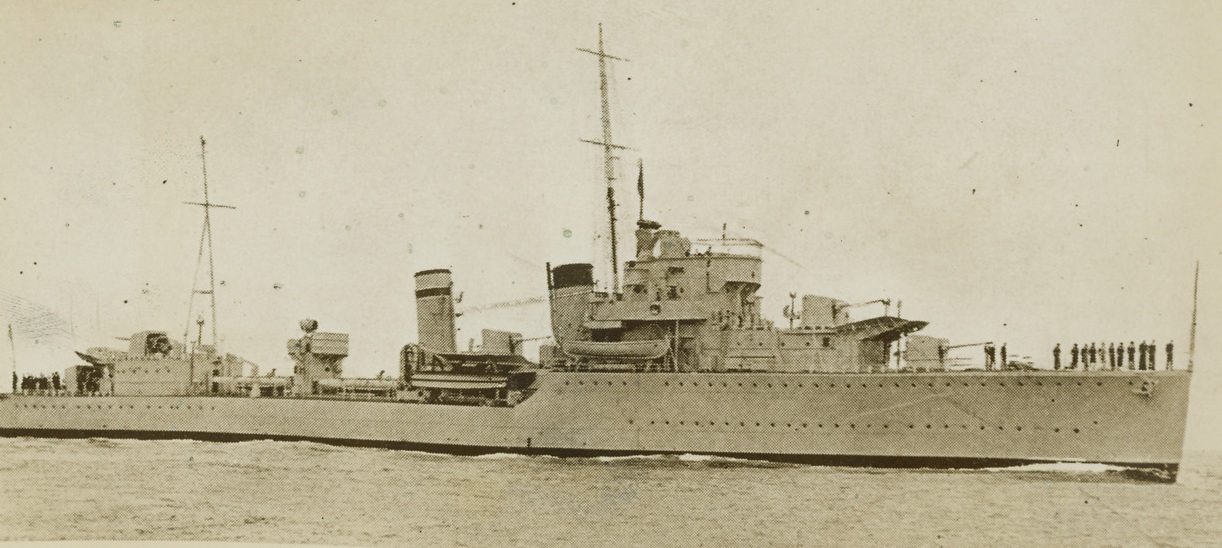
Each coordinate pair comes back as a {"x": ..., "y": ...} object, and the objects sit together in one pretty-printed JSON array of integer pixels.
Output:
[{"x": 1028, "y": 173}]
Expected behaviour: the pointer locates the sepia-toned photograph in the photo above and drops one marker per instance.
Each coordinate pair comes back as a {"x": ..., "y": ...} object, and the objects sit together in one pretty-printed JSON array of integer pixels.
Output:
[{"x": 520, "y": 273}]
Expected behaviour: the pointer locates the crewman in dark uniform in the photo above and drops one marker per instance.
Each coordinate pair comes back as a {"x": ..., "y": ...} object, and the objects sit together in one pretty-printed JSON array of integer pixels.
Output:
[
  {"x": 1153, "y": 348},
  {"x": 1093, "y": 356},
  {"x": 1170, "y": 353},
  {"x": 1056, "y": 357},
  {"x": 1073, "y": 356},
  {"x": 1141, "y": 358},
  {"x": 1132, "y": 355},
  {"x": 1003, "y": 356},
  {"x": 990, "y": 356}
]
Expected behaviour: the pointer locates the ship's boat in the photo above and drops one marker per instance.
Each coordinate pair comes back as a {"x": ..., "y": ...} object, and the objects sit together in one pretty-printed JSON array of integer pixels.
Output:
[{"x": 622, "y": 350}]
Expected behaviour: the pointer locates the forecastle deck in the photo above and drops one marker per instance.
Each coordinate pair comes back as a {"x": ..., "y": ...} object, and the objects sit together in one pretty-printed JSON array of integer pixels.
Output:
[{"x": 967, "y": 419}]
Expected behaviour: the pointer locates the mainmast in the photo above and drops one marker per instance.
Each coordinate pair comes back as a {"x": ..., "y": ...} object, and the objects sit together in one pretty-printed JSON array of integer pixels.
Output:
[
  {"x": 608, "y": 156},
  {"x": 205, "y": 237}
]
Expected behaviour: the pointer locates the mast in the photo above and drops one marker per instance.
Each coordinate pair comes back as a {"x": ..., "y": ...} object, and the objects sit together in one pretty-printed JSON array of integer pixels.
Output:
[
  {"x": 205, "y": 237},
  {"x": 1192, "y": 333},
  {"x": 608, "y": 156}
]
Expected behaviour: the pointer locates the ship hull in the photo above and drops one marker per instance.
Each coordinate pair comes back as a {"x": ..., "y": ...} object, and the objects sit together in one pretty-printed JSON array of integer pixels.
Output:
[{"x": 934, "y": 420}]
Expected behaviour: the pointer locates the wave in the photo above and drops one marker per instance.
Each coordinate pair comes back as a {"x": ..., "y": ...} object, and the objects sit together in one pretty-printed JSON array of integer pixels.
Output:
[{"x": 1060, "y": 467}]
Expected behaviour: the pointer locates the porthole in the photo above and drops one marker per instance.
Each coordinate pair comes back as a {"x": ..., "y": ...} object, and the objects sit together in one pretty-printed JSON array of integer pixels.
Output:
[
  {"x": 757, "y": 424},
  {"x": 1100, "y": 383},
  {"x": 914, "y": 385},
  {"x": 1019, "y": 428},
  {"x": 836, "y": 425},
  {"x": 928, "y": 426},
  {"x": 803, "y": 425},
  {"x": 788, "y": 425},
  {"x": 1002, "y": 383},
  {"x": 784, "y": 385},
  {"x": 910, "y": 426},
  {"x": 982, "y": 427},
  {"x": 833, "y": 385},
  {"x": 772, "y": 424},
  {"x": 1056, "y": 429},
  {"x": 931, "y": 385},
  {"x": 652, "y": 422},
  {"x": 948, "y": 385},
  {"x": 852, "y": 426},
  {"x": 1075, "y": 430},
  {"x": 680, "y": 383}
]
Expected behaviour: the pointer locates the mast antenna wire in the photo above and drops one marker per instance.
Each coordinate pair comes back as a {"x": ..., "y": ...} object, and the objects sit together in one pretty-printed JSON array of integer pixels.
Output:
[{"x": 608, "y": 146}]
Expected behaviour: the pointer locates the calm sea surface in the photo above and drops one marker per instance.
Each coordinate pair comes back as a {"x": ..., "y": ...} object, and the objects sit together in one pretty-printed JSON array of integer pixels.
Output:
[{"x": 317, "y": 494}]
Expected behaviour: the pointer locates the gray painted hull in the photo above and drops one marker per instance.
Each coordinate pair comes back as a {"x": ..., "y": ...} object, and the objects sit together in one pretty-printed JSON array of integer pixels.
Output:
[{"x": 924, "y": 419}]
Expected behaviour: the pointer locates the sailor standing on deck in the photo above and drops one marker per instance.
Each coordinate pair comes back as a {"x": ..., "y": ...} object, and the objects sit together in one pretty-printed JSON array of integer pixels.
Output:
[
  {"x": 1003, "y": 357},
  {"x": 1153, "y": 351},
  {"x": 1093, "y": 356},
  {"x": 990, "y": 356},
  {"x": 1073, "y": 356},
  {"x": 1111, "y": 356},
  {"x": 1170, "y": 347},
  {"x": 1144, "y": 350},
  {"x": 1056, "y": 356},
  {"x": 1132, "y": 354}
]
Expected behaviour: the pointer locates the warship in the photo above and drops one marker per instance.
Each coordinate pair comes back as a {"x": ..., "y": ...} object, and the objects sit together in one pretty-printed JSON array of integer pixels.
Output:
[{"x": 673, "y": 357}]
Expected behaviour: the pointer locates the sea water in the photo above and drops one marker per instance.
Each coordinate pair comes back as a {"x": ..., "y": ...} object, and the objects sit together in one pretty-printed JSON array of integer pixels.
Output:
[{"x": 306, "y": 493}]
